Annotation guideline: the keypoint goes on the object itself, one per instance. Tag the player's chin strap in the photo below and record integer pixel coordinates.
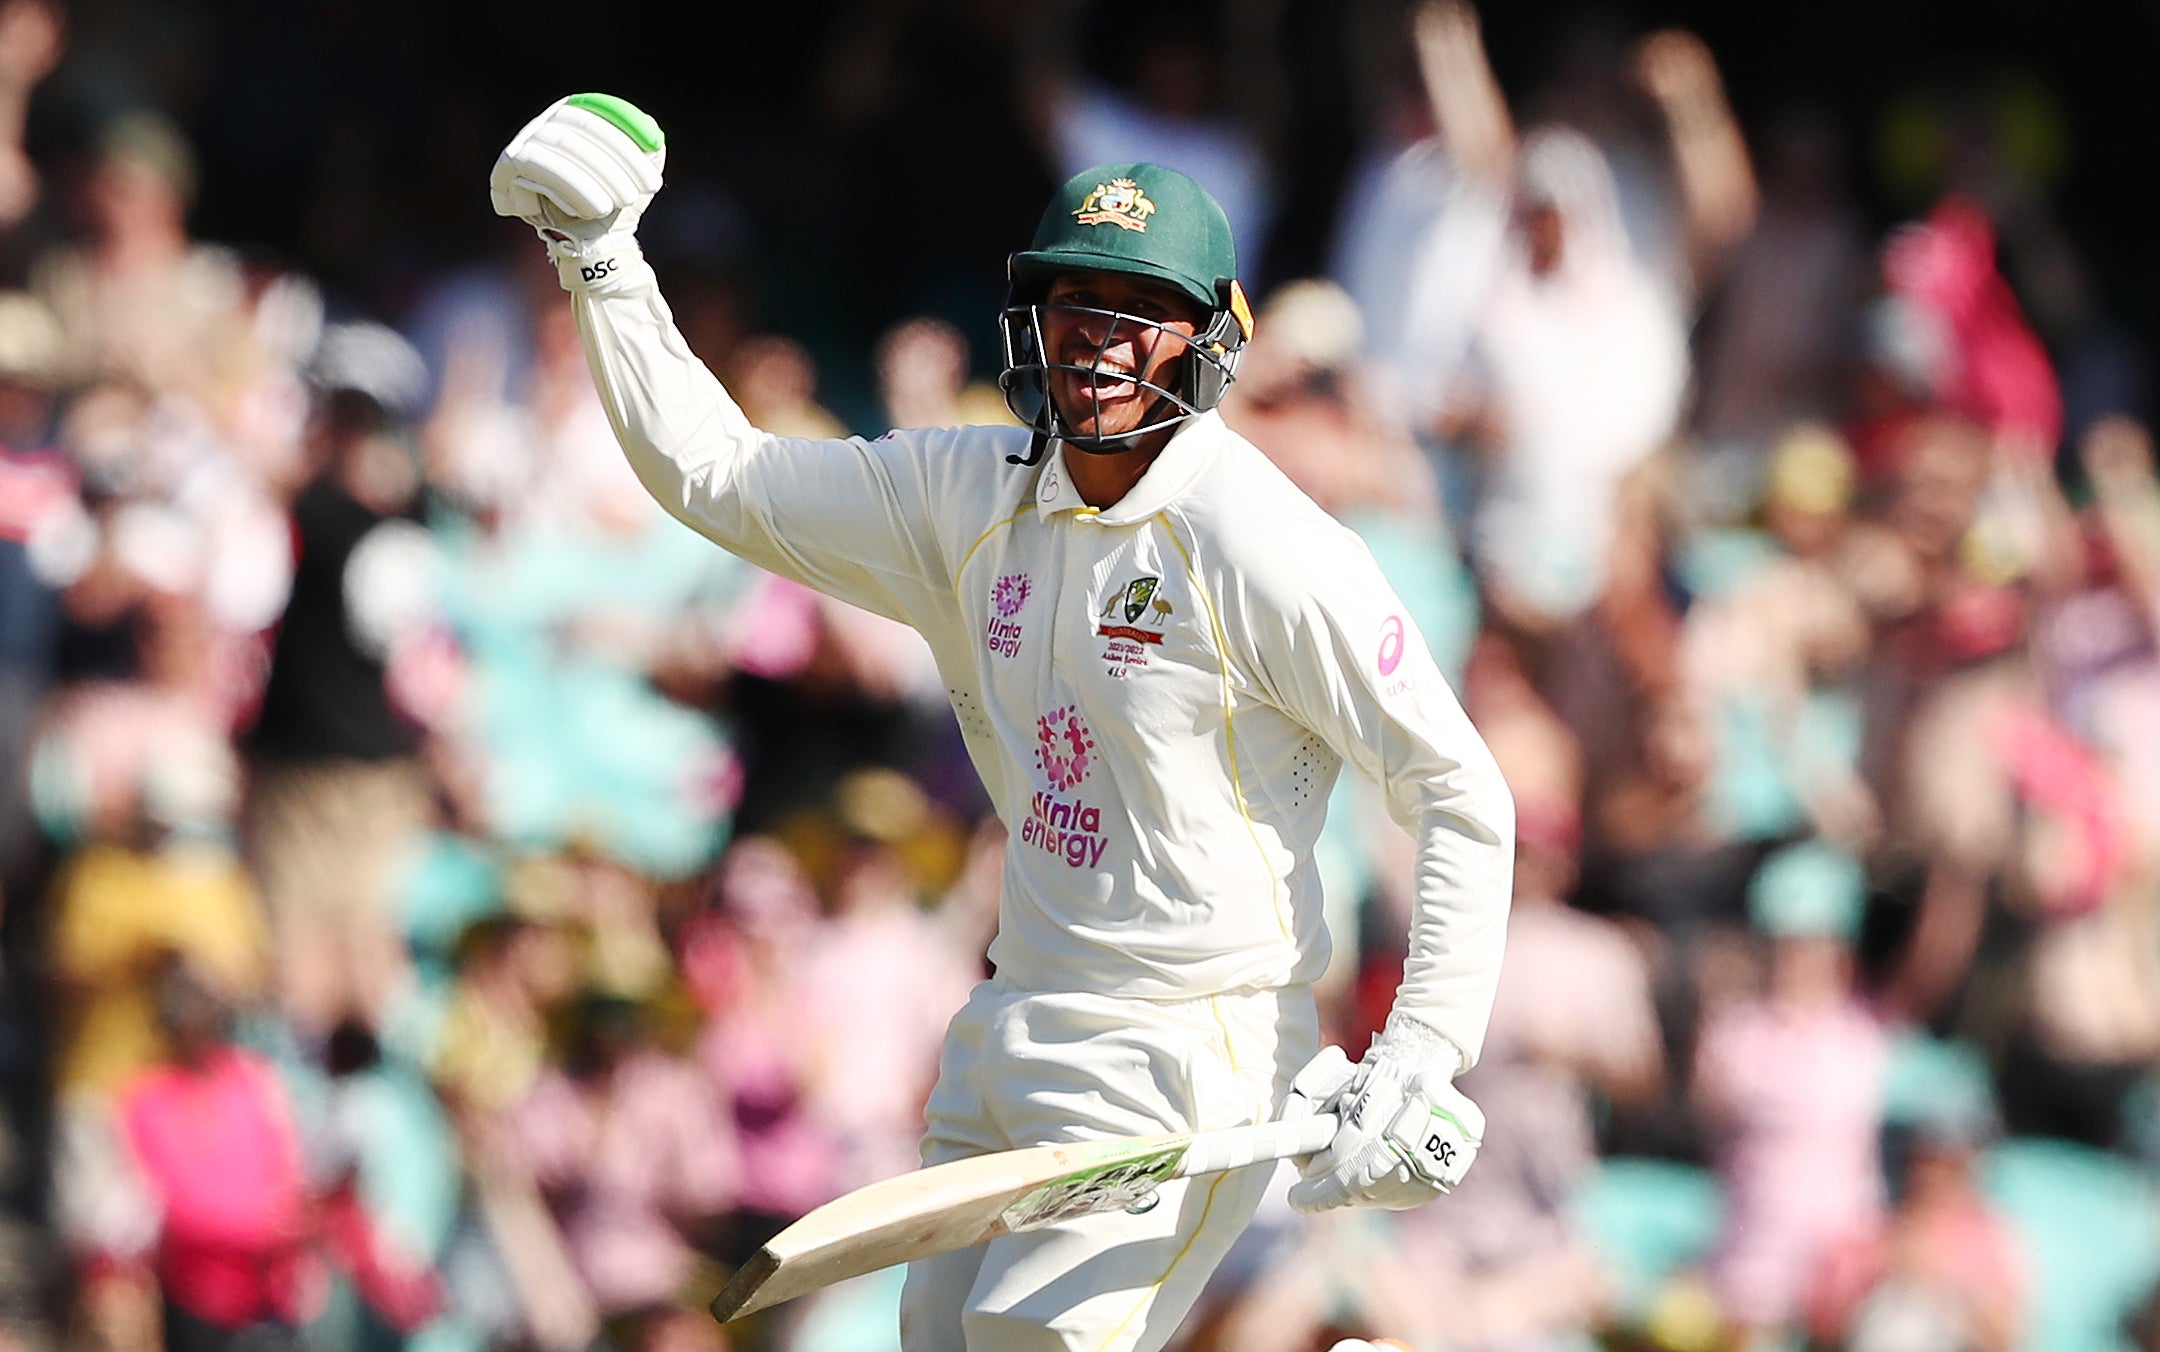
(1209, 368)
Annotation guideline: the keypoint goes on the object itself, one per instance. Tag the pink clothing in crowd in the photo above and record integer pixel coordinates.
(1798, 1095)
(1573, 1012)
(1509, 1270)
(216, 1146)
(38, 489)
(1958, 1250)
(879, 986)
(743, 967)
(791, 1161)
(1997, 371)
(2058, 774)
(128, 746)
(623, 1162)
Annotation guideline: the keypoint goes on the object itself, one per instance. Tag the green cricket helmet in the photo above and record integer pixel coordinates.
(1141, 220)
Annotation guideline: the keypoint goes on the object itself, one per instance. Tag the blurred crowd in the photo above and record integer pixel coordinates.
(448, 906)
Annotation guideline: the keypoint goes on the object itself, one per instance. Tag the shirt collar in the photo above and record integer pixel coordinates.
(1188, 453)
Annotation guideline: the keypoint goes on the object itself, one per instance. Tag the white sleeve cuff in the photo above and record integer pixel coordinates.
(1417, 1043)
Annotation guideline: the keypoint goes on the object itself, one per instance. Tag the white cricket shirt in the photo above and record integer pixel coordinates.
(1157, 695)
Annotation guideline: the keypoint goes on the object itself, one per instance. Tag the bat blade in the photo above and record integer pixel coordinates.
(947, 1207)
(971, 1201)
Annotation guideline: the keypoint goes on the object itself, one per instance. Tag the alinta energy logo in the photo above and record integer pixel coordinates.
(1068, 829)
(1001, 635)
(1064, 748)
(1010, 593)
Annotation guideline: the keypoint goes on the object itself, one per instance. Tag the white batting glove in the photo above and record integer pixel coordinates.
(1319, 1086)
(1408, 1134)
(581, 174)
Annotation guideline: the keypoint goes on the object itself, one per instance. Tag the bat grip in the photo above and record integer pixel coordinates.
(1237, 1147)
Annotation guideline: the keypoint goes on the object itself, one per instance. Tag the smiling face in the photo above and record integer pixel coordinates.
(1105, 398)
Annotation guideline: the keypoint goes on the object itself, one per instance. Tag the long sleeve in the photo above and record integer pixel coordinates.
(1342, 657)
(855, 519)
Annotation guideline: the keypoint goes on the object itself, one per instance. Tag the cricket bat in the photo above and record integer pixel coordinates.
(970, 1201)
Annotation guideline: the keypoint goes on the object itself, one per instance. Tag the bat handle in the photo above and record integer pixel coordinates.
(1237, 1147)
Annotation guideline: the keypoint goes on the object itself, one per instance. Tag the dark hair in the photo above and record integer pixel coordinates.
(351, 1049)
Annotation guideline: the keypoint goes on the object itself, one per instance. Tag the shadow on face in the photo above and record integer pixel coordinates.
(1109, 337)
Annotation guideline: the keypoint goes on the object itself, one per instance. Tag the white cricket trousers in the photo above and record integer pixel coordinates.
(1025, 1069)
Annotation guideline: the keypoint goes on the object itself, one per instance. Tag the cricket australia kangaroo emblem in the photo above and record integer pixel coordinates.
(1133, 619)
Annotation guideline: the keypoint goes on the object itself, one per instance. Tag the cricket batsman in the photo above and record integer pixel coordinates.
(1161, 653)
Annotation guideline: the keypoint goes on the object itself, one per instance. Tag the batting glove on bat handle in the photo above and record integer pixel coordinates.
(1408, 1134)
(581, 174)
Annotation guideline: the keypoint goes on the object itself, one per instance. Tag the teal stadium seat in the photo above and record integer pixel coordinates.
(1649, 1219)
(2092, 1234)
